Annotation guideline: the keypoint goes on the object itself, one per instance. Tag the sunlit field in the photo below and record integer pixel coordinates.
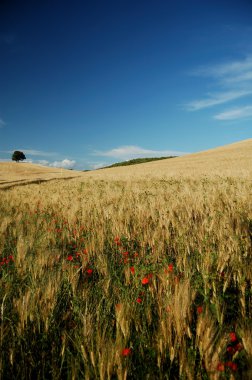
(130, 273)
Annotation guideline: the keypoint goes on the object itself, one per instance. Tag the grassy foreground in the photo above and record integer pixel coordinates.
(141, 279)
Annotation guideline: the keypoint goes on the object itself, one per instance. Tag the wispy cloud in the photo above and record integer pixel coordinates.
(215, 99)
(234, 68)
(233, 80)
(33, 152)
(131, 151)
(235, 113)
(2, 123)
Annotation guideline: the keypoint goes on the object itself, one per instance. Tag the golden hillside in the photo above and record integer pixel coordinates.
(233, 160)
(13, 173)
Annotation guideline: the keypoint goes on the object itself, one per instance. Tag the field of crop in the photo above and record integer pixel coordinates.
(109, 277)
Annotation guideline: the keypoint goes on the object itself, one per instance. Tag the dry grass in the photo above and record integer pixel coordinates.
(13, 173)
(233, 160)
(73, 304)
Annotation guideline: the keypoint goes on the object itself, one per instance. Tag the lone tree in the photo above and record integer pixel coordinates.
(18, 156)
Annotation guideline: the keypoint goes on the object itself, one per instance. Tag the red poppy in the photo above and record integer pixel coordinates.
(145, 281)
(170, 267)
(70, 258)
(126, 352)
(132, 269)
(139, 300)
(89, 271)
(231, 350)
(233, 337)
(199, 309)
(85, 251)
(233, 367)
(220, 367)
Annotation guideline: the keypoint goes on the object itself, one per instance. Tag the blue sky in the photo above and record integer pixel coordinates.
(85, 84)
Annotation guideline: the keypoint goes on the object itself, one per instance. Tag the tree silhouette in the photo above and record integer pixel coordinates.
(18, 156)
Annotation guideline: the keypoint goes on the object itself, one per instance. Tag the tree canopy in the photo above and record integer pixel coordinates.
(18, 156)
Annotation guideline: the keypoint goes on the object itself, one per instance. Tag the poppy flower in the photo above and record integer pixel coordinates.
(126, 352)
(139, 300)
(145, 281)
(89, 271)
(220, 367)
(170, 267)
(70, 258)
(233, 337)
(231, 350)
(233, 367)
(132, 269)
(199, 309)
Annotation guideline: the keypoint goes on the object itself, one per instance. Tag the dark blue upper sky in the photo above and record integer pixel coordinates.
(89, 83)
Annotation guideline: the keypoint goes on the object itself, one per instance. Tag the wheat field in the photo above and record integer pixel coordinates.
(139, 272)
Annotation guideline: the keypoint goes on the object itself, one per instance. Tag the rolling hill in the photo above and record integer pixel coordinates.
(233, 160)
(12, 173)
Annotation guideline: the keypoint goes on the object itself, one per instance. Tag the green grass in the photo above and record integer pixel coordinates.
(136, 161)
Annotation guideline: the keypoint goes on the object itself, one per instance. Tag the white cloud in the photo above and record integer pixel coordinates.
(235, 113)
(66, 164)
(215, 99)
(130, 151)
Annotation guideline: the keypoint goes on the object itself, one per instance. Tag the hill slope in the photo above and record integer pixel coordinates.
(12, 173)
(234, 160)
